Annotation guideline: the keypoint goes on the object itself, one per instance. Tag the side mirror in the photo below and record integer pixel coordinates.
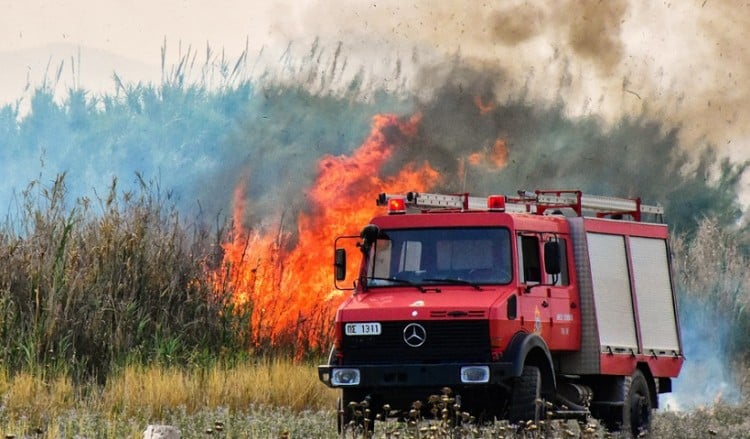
(339, 263)
(552, 257)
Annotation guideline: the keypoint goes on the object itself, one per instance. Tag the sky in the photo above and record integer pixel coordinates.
(684, 62)
(132, 28)
(125, 36)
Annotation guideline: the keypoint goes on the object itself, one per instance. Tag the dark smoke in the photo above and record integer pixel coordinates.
(635, 157)
(592, 30)
(681, 63)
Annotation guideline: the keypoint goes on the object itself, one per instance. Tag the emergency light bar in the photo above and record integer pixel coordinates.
(396, 205)
(496, 203)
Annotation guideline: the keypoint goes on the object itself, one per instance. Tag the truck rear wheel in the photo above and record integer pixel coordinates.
(524, 396)
(629, 411)
(636, 412)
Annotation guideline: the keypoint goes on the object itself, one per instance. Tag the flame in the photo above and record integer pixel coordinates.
(285, 279)
(483, 107)
(499, 153)
(475, 158)
(495, 156)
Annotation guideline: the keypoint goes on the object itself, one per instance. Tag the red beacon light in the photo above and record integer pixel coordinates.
(496, 203)
(396, 205)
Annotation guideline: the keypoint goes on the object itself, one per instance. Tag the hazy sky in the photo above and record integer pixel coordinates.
(118, 35)
(133, 28)
(685, 62)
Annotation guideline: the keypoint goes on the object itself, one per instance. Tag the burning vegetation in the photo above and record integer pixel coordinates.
(285, 277)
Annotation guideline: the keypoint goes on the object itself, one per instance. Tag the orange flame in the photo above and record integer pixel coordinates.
(291, 290)
(499, 153)
(483, 107)
(475, 158)
(496, 156)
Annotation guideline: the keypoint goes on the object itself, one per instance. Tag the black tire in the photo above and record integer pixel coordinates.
(637, 407)
(525, 395)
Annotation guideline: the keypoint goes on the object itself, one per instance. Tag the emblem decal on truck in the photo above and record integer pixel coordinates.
(415, 335)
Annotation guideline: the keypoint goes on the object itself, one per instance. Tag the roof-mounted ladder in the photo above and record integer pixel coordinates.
(538, 202)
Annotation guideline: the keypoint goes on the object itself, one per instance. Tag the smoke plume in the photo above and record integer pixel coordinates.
(683, 63)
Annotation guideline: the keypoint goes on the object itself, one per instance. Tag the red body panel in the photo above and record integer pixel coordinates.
(627, 228)
(625, 364)
(408, 303)
(549, 224)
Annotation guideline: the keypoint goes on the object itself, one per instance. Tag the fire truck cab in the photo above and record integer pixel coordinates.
(549, 301)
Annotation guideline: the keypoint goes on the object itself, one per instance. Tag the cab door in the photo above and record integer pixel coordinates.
(533, 300)
(561, 294)
(547, 304)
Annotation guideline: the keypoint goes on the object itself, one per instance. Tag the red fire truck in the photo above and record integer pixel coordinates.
(548, 301)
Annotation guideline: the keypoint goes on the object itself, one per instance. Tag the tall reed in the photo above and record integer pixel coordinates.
(87, 284)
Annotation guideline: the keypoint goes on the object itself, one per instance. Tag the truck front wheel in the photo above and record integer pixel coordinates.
(525, 396)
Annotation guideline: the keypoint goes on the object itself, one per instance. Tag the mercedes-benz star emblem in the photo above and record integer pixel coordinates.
(415, 335)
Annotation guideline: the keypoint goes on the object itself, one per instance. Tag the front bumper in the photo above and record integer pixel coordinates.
(416, 375)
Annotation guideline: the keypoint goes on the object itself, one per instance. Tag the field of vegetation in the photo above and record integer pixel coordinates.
(271, 399)
(118, 305)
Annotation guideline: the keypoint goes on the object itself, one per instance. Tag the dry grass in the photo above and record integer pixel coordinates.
(28, 396)
(264, 399)
(276, 382)
(141, 395)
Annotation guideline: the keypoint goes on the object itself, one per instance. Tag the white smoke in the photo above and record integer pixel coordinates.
(706, 376)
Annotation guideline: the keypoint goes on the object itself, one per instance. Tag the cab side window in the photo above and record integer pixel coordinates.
(529, 264)
(563, 278)
(530, 261)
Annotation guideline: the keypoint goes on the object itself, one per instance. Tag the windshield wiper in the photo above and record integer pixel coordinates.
(455, 281)
(398, 280)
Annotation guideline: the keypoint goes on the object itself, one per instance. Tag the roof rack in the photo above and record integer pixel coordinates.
(537, 202)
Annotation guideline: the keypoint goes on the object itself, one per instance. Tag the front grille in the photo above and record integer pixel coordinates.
(447, 341)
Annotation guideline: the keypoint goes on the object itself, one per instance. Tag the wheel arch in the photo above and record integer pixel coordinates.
(531, 350)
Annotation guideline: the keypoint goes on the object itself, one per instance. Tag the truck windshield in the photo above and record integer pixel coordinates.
(474, 256)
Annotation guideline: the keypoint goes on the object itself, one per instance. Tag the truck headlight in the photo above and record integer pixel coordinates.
(345, 377)
(475, 374)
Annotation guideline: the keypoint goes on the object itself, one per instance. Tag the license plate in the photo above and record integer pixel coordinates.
(372, 328)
